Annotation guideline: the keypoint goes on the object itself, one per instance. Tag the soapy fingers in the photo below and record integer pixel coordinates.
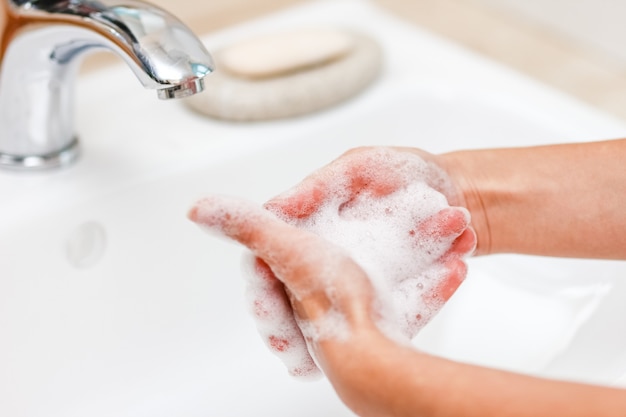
(275, 321)
(366, 172)
(450, 223)
(368, 240)
(319, 280)
(388, 208)
(297, 257)
(266, 294)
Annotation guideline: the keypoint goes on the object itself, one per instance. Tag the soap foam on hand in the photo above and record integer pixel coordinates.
(382, 236)
(381, 209)
(275, 321)
(265, 234)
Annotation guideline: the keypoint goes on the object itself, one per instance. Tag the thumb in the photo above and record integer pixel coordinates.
(298, 257)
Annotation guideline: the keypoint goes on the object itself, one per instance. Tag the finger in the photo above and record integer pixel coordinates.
(275, 321)
(456, 271)
(297, 257)
(268, 297)
(463, 245)
(300, 202)
(245, 223)
(359, 171)
(449, 222)
(367, 174)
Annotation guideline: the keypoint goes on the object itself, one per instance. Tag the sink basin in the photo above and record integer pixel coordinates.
(113, 304)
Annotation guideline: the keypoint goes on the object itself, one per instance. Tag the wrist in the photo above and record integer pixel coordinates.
(472, 191)
(549, 200)
(362, 369)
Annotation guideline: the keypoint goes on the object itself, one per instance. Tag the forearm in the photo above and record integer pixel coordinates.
(558, 200)
(380, 378)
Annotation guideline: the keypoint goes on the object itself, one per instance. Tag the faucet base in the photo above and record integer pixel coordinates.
(57, 159)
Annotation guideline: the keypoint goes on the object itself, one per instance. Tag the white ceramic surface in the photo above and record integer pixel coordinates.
(113, 304)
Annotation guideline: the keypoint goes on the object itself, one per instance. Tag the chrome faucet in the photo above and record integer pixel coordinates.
(41, 45)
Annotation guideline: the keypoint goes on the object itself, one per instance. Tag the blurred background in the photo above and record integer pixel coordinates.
(577, 46)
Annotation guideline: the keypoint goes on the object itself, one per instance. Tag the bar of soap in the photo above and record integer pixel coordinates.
(308, 82)
(276, 54)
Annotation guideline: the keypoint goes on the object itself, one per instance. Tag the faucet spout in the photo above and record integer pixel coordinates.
(42, 44)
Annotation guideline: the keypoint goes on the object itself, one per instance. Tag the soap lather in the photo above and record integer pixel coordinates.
(288, 73)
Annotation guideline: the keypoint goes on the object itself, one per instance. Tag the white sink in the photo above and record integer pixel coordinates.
(113, 304)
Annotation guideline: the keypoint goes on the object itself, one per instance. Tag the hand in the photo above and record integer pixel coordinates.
(318, 285)
(391, 189)
(292, 304)
(355, 180)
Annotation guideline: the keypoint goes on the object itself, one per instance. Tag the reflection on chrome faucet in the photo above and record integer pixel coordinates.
(41, 44)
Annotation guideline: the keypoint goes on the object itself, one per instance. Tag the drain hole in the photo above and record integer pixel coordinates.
(86, 245)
